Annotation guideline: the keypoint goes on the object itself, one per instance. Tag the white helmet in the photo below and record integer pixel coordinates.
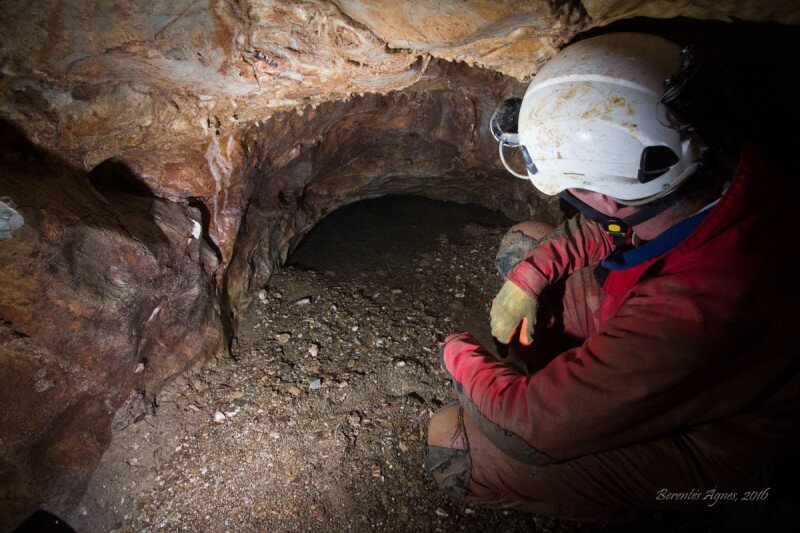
(593, 118)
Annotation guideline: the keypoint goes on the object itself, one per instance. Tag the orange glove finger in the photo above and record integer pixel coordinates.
(498, 334)
(523, 333)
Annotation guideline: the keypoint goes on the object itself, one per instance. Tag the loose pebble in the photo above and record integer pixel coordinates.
(231, 414)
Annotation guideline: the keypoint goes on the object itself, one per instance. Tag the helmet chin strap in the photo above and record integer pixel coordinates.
(619, 229)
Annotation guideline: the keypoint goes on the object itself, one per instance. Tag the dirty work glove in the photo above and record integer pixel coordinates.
(513, 247)
(513, 309)
(575, 244)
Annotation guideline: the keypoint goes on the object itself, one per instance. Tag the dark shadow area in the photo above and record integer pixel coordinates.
(373, 238)
(750, 79)
(131, 200)
(14, 142)
(397, 242)
(43, 522)
(112, 175)
(40, 180)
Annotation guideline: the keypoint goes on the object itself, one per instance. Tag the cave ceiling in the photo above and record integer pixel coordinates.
(169, 88)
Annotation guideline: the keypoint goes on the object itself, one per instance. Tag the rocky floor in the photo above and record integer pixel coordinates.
(318, 419)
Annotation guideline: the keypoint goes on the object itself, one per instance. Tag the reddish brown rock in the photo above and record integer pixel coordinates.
(99, 279)
(106, 279)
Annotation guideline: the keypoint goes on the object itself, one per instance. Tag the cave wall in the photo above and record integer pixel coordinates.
(161, 159)
(169, 88)
(431, 139)
(98, 286)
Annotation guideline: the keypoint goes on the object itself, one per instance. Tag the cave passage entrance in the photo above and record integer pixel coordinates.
(435, 256)
(320, 417)
(392, 239)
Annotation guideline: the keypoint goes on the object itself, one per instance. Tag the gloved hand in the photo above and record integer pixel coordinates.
(513, 309)
(577, 243)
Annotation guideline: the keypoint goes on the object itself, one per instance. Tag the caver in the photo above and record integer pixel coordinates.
(653, 330)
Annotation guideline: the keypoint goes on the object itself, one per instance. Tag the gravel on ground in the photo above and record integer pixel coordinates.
(318, 417)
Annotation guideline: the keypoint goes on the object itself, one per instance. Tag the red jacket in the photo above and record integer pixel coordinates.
(702, 334)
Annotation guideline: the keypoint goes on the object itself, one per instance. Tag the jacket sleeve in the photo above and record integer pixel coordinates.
(633, 380)
(576, 243)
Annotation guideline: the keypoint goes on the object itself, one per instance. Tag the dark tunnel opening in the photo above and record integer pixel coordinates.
(374, 238)
(396, 244)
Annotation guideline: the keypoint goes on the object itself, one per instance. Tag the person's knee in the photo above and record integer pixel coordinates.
(447, 457)
(532, 228)
(443, 429)
(518, 241)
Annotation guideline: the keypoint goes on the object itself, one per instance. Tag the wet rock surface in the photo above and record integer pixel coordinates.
(319, 419)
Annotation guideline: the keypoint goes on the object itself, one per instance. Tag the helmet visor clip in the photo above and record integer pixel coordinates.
(505, 122)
